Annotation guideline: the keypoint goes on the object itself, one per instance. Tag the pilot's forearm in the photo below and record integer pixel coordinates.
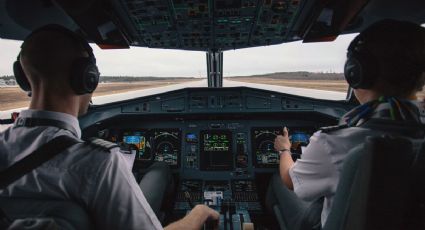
(193, 221)
(182, 224)
(286, 163)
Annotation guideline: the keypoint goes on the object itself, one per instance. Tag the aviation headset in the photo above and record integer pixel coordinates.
(362, 67)
(84, 72)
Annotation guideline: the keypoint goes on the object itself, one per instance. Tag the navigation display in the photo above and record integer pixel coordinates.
(138, 138)
(263, 150)
(167, 146)
(216, 150)
(262, 139)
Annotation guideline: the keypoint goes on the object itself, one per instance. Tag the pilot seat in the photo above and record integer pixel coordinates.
(382, 183)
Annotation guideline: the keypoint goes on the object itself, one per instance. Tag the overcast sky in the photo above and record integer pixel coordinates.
(136, 61)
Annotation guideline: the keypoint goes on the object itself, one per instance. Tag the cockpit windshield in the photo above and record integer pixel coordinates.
(315, 68)
(306, 69)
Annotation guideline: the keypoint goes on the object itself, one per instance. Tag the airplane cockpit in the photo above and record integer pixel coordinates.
(218, 141)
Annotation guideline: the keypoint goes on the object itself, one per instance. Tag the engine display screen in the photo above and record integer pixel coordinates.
(216, 150)
(138, 138)
(218, 142)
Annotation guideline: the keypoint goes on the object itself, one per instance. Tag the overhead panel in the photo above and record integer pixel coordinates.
(152, 20)
(233, 22)
(210, 24)
(194, 25)
(274, 20)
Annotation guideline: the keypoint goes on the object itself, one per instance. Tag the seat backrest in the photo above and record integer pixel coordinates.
(382, 186)
(66, 215)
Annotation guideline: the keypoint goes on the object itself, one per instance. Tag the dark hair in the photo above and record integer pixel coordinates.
(399, 47)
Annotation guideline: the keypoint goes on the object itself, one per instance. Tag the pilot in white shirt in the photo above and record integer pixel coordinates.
(59, 69)
(386, 90)
(92, 176)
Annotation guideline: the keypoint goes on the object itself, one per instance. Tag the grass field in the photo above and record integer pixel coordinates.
(331, 85)
(13, 97)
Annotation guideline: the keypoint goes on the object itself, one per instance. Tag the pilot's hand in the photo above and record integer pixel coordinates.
(200, 214)
(282, 141)
(196, 218)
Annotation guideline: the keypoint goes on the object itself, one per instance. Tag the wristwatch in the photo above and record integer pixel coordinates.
(283, 151)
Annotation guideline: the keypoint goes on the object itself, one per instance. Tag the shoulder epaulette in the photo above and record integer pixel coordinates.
(328, 129)
(102, 143)
(128, 148)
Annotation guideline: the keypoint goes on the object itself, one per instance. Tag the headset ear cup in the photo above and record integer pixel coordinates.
(20, 76)
(370, 70)
(91, 78)
(84, 76)
(353, 72)
(360, 70)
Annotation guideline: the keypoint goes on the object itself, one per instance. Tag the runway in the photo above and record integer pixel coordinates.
(322, 94)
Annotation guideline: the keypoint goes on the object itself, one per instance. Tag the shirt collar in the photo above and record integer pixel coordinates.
(386, 108)
(64, 117)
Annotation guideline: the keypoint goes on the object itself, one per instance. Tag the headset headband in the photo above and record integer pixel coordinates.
(84, 75)
(65, 31)
(358, 46)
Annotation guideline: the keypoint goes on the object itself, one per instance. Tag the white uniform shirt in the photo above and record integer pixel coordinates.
(317, 173)
(97, 180)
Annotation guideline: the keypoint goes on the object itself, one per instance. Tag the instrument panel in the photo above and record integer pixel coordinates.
(231, 147)
(219, 143)
(202, 133)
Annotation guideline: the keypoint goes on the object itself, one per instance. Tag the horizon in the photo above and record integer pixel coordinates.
(128, 76)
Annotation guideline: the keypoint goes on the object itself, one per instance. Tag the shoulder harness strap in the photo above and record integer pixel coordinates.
(35, 159)
(329, 129)
(34, 122)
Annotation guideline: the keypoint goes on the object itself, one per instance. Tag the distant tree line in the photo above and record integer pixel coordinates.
(299, 76)
(7, 77)
(135, 79)
(122, 78)
(280, 75)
